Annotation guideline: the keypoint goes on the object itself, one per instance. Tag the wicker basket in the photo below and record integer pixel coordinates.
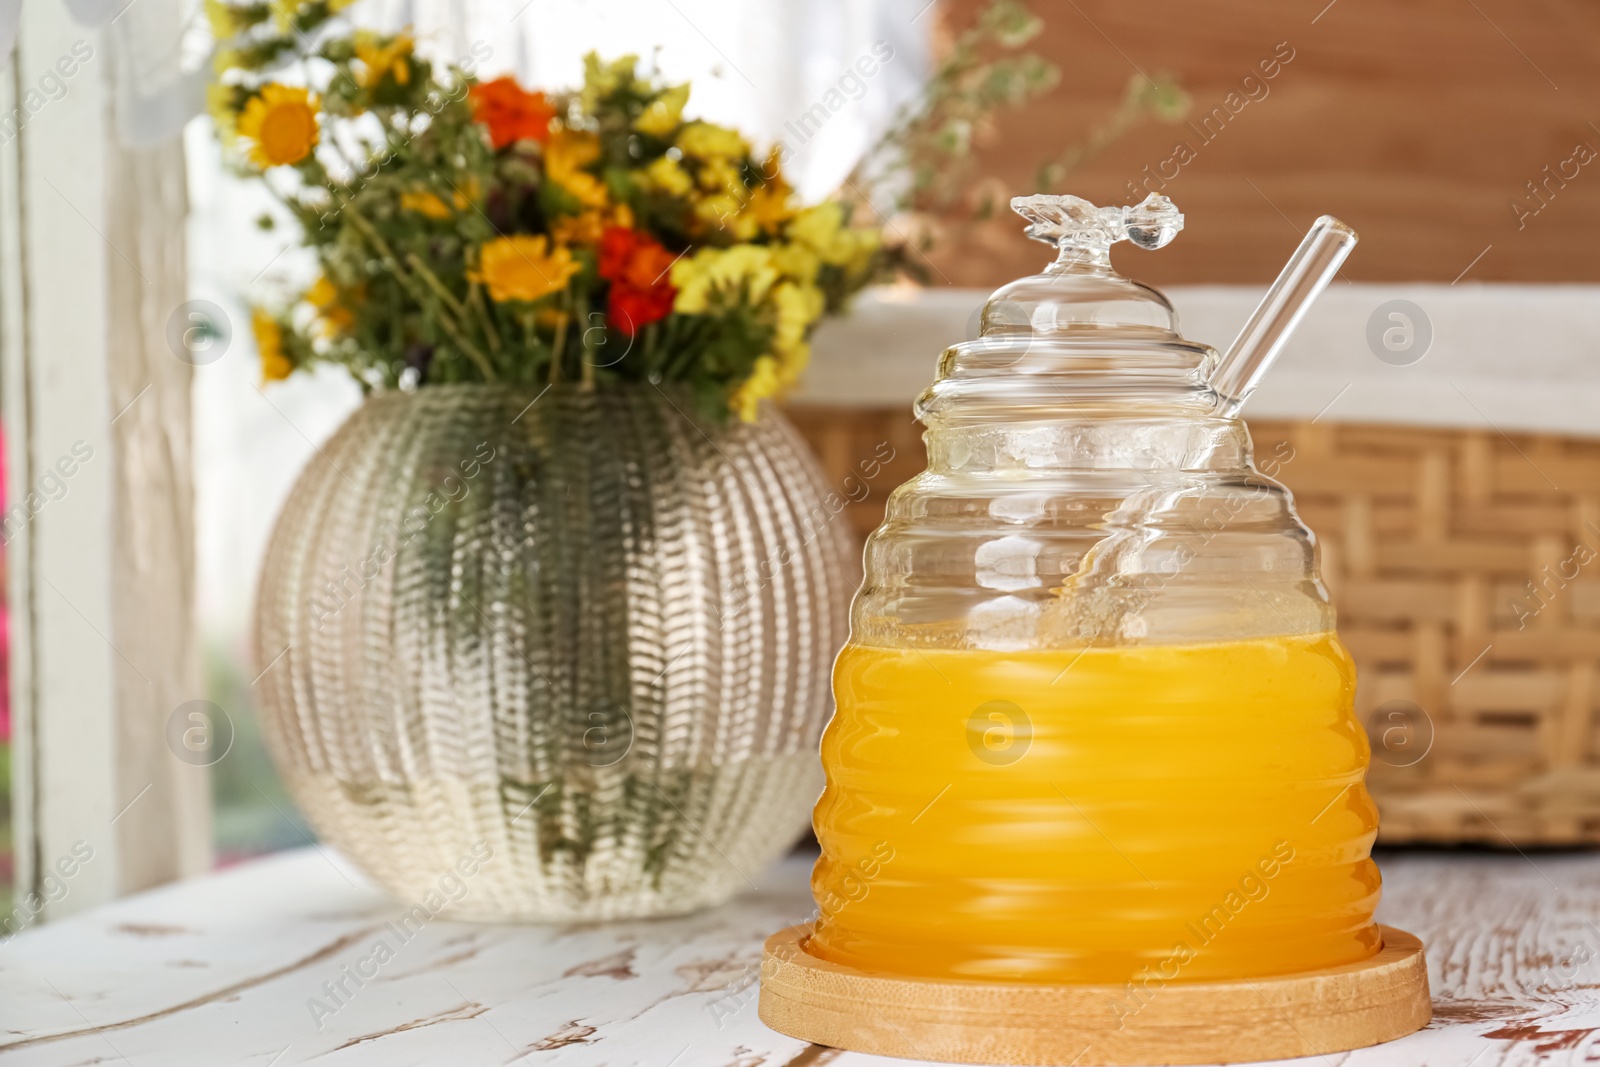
(1466, 570)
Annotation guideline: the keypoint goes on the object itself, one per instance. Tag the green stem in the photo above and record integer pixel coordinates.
(419, 294)
(650, 333)
(475, 298)
(558, 347)
(687, 343)
(586, 362)
(431, 279)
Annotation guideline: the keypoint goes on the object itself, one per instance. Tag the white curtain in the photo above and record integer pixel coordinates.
(760, 65)
(159, 55)
(10, 11)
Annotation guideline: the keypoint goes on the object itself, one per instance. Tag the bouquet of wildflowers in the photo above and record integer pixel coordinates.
(474, 231)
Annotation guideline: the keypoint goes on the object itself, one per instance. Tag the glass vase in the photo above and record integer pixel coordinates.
(553, 655)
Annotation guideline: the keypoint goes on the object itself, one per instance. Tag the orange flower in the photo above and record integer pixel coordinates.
(510, 112)
(629, 308)
(634, 258)
(638, 267)
(524, 268)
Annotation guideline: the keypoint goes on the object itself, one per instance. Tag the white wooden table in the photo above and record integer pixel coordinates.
(229, 969)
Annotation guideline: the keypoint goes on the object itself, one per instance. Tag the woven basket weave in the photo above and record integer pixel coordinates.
(1466, 570)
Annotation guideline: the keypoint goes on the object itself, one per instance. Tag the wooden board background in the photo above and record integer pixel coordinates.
(1418, 122)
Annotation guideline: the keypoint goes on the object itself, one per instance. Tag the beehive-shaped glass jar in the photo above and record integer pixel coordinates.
(1093, 720)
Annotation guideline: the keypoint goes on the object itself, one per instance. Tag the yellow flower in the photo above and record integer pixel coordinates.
(602, 79)
(703, 140)
(725, 213)
(282, 123)
(709, 270)
(818, 228)
(769, 201)
(798, 307)
(524, 268)
(336, 6)
(565, 156)
(796, 261)
(275, 366)
(430, 204)
(322, 292)
(663, 114)
(552, 318)
(768, 207)
(380, 59)
(221, 102)
(722, 176)
(585, 228)
(285, 12)
(792, 363)
(762, 383)
(334, 316)
(667, 175)
(822, 229)
(226, 59)
(224, 19)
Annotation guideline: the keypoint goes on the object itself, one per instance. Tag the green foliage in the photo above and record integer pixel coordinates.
(925, 161)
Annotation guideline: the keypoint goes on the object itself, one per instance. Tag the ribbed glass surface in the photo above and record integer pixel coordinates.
(581, 630)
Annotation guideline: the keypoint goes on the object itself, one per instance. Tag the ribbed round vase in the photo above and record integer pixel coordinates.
(557, 655)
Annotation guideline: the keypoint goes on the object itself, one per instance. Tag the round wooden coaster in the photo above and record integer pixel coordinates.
(1332, 1010)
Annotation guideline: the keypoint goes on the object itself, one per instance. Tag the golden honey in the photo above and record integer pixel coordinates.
(1107, 815)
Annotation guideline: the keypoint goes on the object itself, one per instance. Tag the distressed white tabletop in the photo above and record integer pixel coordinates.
(276, 962)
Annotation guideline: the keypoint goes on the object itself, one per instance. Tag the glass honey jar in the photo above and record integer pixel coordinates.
(1095, 728)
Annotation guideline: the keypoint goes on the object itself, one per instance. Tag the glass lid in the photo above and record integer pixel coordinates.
(1081, 292)
(1077, 333)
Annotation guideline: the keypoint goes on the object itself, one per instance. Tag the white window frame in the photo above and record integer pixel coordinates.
(100, 582)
